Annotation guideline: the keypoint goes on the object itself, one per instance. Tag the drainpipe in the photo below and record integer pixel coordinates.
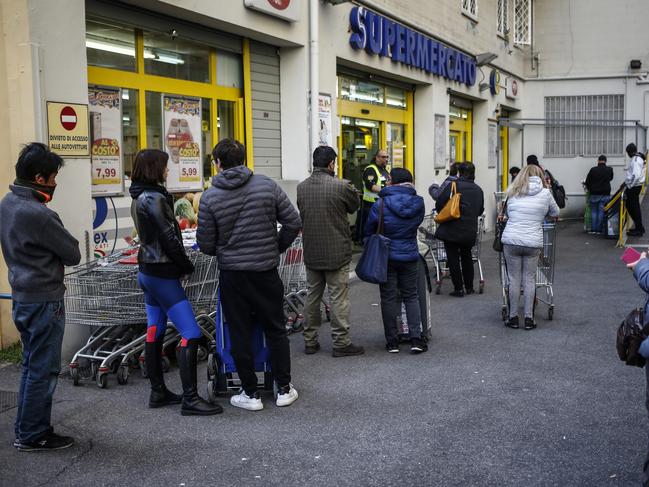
(314, 77)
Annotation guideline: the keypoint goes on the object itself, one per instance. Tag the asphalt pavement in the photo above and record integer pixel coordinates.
(485, 406)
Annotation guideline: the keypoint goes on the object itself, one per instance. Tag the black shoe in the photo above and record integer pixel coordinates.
(192, 403)
(51, 441)
(311, 349)
(392, 347)
(418, 346)
(457, 293)
(529, 324)
(160, 395)
(163, 397)
(469, 291)
(512, 322)
(348, 351)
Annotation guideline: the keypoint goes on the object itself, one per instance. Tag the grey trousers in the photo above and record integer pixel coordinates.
(521, 265)
(338, 283)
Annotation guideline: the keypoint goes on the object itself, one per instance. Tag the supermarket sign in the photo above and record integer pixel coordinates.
(67, 129)
(383, 37)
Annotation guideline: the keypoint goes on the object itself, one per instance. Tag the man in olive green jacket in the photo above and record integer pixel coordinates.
(324, 202)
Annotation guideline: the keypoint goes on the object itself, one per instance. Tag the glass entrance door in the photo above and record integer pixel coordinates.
(460, 134)
(360, 141)
(396, 146)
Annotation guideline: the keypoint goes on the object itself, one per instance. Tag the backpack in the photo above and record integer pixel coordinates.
(558, 192)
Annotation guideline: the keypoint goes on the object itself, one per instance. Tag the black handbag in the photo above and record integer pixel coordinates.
(630, 334)
(501, 223)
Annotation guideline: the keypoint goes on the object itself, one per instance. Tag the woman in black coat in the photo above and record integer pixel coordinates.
(460, 235)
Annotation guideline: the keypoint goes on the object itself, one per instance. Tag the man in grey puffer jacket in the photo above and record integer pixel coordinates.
(237, 222)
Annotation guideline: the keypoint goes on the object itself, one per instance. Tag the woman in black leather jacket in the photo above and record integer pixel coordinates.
(162, 262)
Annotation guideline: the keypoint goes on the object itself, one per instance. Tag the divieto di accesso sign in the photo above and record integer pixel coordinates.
(386, 38)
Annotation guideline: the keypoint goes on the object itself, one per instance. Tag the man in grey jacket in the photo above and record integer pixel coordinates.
(36, 247)
(237, 222)
(324, 202)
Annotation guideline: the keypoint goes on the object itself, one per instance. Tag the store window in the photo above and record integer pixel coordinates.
(362, 91)
(395, 97)
(168, 95)
(229, 69)
(176, 58)
(110, 46)
(470, 8)
(502, 23)
(523, 22)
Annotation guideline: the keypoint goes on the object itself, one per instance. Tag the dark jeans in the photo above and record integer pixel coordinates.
(597, 203)
(361, 220)
(633, 207)
(41, 327)
(402, 277)
(261, 293)
(460, 265)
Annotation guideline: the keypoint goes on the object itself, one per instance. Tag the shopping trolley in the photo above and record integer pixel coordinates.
(437, 252)
(292, 272)
(221, 369)
(544, 292)
(105, 295)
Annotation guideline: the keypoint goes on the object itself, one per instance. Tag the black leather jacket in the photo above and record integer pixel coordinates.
(162, 253)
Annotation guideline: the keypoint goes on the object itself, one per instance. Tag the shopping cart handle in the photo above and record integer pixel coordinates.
(5, 296)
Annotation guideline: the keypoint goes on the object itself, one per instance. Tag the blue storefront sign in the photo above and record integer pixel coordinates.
(381, 36)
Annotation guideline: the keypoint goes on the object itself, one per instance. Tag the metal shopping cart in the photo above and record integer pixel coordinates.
(437, 252)
(544, 292)
(104, 294)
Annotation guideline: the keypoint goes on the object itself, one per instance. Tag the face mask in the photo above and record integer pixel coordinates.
(46, 191)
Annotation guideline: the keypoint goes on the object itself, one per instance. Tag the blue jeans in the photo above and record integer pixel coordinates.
(41, 327)
(597, 204)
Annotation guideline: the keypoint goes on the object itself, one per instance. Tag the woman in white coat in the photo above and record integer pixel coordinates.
(529, 202)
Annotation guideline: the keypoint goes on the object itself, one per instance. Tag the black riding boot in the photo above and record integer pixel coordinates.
(193, 404)
(160, 395)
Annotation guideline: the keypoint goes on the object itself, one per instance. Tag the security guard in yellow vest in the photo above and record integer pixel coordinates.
(375, 178)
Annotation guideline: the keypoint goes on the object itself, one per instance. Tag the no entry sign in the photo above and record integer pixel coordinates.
(67, 129)
(68, 118)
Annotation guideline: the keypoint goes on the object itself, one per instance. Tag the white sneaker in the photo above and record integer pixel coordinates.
(244, 401)
(287, 398)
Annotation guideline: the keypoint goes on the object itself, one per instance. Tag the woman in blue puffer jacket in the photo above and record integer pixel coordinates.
(403, 212)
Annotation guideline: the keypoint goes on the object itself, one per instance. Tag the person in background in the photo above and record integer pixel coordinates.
(459, 236)
(640, 270)
(436, 189)
(403, 212)
(529, 202)
(36, 247)
(598, 184)
(162, 261)
(634, 179)
(324, 202)
(237, 222)
(375, 178)
(513, 172)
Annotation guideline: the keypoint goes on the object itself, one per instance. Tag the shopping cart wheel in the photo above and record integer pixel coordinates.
(122, 375)
(166, 364)
(503, 313)
(438, 288)
(102, 380)
(211, 391)
(551, 313)
(211, 365)
(93, 370)
(481, 287)
(74, 373)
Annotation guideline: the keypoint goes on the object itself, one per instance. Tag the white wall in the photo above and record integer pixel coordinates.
(589, 37)
(64, 79)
